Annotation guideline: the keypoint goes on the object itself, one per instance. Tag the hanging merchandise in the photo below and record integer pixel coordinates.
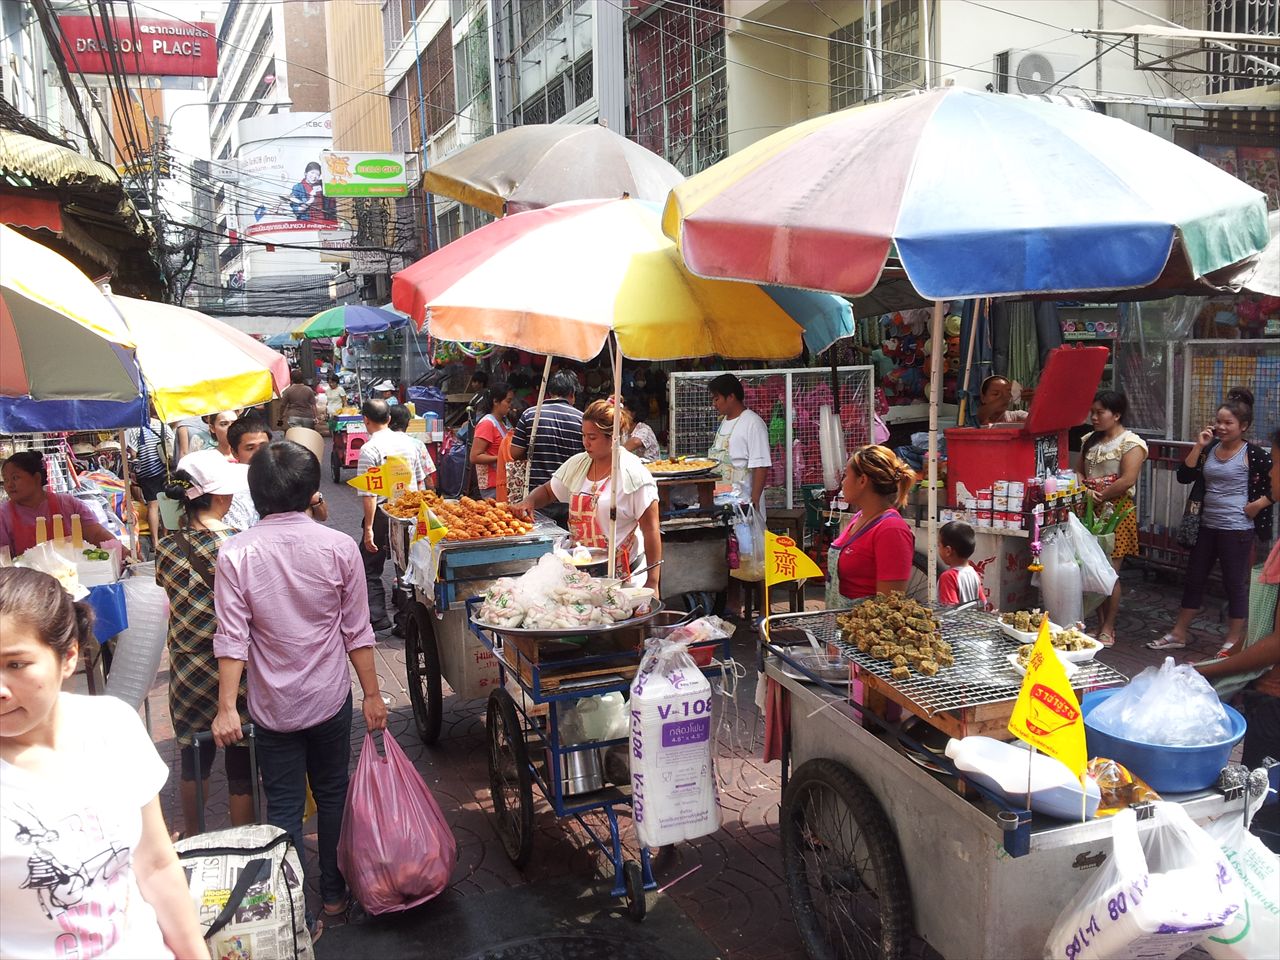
(673, 779)
(477, 350)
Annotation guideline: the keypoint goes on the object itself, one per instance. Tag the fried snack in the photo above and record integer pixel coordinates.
(891, 627)
(679, 465)
(1024, 621)
(466, 519)
(1071, 639)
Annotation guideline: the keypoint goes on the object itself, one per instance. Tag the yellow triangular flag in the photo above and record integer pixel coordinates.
(784, 560)
(429, 526)
(1047, 714)
(390, 479)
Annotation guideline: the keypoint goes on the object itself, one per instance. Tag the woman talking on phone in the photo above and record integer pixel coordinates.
(1231, 496)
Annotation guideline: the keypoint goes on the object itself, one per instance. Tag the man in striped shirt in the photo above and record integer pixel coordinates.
(559, 436)
(147, 455)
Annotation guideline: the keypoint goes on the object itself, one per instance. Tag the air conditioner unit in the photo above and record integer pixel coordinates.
(1035, 71)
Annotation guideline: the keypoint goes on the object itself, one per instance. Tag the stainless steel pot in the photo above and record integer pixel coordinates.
(581, 772)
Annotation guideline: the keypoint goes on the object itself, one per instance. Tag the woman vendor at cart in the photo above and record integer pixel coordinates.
(29, 499)
(877, 548)
(585, 483)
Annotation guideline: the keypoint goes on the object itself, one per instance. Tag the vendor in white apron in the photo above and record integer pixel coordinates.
(741, 444)
(586, 483)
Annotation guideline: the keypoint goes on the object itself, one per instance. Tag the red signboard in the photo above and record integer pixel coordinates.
(142, 48)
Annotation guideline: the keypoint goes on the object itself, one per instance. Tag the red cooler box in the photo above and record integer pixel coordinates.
(978, 456)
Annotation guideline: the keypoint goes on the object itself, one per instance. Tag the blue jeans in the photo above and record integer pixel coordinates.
(321, 754)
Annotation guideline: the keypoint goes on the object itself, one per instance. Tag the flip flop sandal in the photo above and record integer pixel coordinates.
(316, 929)
(1167, 642)
(1107, 639)
(1226, 650)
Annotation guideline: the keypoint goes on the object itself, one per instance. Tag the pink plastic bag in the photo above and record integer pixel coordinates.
(396, 850)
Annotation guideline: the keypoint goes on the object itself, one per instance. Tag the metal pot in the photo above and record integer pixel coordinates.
(581, 772)
(598, 566)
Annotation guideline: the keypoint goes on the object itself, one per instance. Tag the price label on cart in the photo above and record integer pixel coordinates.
(389, 479)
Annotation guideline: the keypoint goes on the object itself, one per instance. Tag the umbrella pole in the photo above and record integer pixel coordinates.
(968, 361)
(935, 388)
(613, 470)
(835, 382)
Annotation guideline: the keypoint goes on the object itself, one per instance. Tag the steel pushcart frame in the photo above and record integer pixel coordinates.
(512, 726)
(996, 878)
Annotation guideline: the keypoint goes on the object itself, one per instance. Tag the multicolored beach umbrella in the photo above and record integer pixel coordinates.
(976, 194)
(350, 318)
(559, 280)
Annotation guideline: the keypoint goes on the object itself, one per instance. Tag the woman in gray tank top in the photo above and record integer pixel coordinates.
(1230, 477)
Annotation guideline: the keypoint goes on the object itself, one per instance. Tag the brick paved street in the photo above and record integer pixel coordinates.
(734, 895)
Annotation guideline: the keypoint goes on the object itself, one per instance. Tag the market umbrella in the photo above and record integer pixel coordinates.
(539, 164)
(975, 194)
(349, 318)
(565, 279)
(561, 279)
(66, 358)
(194, 365)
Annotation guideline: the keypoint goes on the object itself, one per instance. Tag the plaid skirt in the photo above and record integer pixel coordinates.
(193, 693)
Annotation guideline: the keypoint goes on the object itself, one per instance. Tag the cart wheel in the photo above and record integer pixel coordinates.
(510, 783)
(842, 866)
(422, 672)
(633, 878)
(918, 583)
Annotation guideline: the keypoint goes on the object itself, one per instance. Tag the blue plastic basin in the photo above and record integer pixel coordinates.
(1165, 769)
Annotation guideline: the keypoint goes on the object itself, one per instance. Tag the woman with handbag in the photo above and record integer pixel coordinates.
(1111, 459)
(1229, 507)
(489, 433)
(185, 559)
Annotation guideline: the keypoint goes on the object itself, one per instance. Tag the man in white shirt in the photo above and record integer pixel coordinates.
(742, 440)
(383, 442)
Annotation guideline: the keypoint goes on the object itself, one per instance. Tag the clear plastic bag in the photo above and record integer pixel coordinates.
(1171, 705)
(1159, 894)
(1096, 573)
(748, 527)
(1255, 931)
(396, 849)
(1061, 582)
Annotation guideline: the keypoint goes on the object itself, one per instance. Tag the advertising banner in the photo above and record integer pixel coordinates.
(281, 188)
(348, 174)
(143, 47)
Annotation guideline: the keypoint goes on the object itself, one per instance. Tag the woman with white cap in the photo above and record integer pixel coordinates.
(204, 483)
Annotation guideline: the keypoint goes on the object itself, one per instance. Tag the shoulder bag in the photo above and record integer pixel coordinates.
(195, 561)
(1189, 527)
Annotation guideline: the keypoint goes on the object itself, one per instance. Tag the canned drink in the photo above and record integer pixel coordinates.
(1016, 489)
(1000, 488)
(1000, 503)
(1014, 504)
(984, 518)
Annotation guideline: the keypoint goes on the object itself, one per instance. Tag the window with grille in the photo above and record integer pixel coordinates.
(677, 87)
(1232, 69)
(392, 25)
(846, 64)
(555, 34)
(901, 65)
(401, 142)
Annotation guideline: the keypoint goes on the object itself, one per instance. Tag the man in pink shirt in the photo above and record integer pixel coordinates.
(291, 603)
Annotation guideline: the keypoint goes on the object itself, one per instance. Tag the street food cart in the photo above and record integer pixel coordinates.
(883, 838)
(542, 672)
(349, 436)
(438, 646)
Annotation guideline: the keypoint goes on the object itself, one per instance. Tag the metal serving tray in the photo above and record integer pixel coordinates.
(980, 675)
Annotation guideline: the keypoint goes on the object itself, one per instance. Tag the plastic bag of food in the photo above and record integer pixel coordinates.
(1157, 896)
(396, 849)
(1096, 573)
(1061, 583)
(748, 528)
(1171, 705)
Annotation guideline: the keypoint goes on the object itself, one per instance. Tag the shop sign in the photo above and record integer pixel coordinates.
(141, 47)
(350, 174)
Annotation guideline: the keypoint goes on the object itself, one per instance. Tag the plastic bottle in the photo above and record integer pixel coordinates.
(42, 530)
(59, 534)
(77, 533)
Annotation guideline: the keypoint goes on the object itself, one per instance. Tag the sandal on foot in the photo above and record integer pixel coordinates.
(1226, 650)
(1167, 642)
(338, 909)
(1107, 639)
(316, 929)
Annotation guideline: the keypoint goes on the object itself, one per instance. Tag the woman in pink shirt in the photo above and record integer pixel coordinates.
(877, 547)
(292, 606)
(489, 434)
(29, 499)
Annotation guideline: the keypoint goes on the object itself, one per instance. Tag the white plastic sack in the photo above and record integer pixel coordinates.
(673, 779)
(1254, 932)
(1154, 898)
(1061, 585)
(1172, 705)
(1096, 573)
